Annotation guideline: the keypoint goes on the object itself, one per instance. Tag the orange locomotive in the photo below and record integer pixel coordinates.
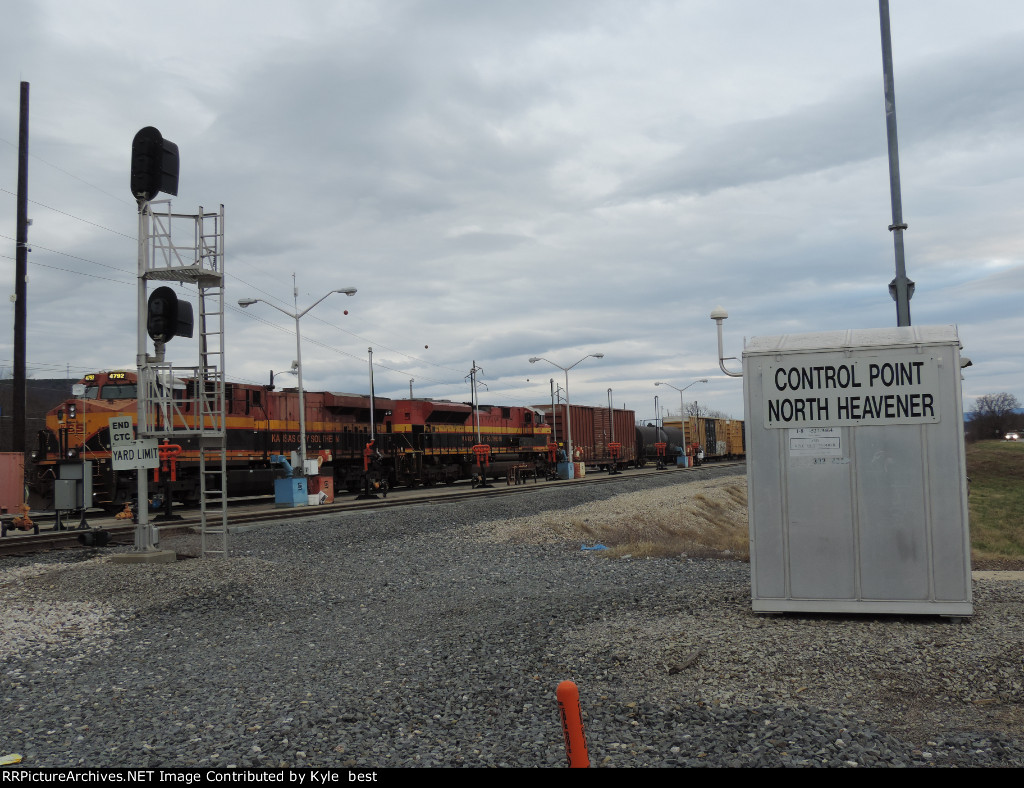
(416, 441)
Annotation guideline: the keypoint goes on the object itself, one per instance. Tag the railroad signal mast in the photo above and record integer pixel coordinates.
(164, 411)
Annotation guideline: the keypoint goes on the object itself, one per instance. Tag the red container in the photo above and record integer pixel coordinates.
(12, 482)
(324, 483)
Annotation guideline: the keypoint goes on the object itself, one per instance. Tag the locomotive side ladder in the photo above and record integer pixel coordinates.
(198, 417)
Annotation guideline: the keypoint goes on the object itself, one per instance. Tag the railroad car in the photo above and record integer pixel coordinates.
(593, 430)
(415, 441)
(648, 438)
(719, 439)
(735, 439)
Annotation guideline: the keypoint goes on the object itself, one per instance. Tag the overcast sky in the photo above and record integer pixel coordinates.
(503, 180)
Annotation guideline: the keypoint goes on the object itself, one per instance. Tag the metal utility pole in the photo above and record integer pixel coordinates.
(373, 428)
(473, 396)
(146, 536)
(611, 417)
(554, 414)
(20, 282)
(900, 288)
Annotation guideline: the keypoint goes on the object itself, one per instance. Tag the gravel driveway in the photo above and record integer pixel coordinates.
(403, 638)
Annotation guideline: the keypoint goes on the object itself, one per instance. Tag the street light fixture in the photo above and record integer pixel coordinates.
(296, 316)
(568, 408)
(684, 388)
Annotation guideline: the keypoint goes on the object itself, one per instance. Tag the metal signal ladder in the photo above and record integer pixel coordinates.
(213, 476)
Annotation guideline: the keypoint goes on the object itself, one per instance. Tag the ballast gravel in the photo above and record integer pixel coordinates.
(413, 637)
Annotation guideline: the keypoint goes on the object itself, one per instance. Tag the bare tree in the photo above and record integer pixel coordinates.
(694, 410)
(993, 415)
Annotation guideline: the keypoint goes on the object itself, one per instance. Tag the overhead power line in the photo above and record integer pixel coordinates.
(71, 175)
(416, 359)
(71, 216)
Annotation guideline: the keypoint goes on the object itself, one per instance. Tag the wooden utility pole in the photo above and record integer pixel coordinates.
(20, 282)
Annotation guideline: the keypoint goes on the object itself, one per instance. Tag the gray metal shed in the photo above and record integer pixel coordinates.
(856, 472)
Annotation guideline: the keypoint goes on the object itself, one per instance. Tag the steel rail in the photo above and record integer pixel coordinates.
(22, 543)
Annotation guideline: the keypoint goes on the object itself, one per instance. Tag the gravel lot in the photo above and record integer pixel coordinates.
(429, 636)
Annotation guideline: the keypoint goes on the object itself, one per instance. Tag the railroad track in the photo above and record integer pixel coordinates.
(122, 532)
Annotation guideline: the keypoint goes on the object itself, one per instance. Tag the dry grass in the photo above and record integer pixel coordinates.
(700, 519)
(709, 518)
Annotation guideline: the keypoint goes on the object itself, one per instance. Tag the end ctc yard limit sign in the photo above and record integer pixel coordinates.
(128, 454)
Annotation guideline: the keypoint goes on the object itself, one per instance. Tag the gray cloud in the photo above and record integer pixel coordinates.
(502, 180)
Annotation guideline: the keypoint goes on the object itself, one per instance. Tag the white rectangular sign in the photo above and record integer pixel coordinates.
(143, 453)
(121, 431)
(816, 442)
(818, 391)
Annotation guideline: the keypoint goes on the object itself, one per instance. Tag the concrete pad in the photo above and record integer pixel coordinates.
(145, 557)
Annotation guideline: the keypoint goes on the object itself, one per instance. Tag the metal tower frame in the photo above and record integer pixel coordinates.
(200, 413)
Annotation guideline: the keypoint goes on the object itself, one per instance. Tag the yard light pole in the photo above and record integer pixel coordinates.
(568, 407)
(296, 316)
(684, 388)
